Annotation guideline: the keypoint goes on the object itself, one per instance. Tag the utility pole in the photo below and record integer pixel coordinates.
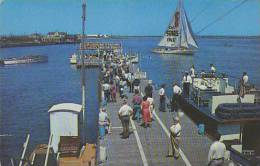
(83, 70)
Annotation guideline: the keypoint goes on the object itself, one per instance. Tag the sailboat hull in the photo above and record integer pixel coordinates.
(174, 51)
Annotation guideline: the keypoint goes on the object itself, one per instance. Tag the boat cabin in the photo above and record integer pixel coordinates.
(210, 90)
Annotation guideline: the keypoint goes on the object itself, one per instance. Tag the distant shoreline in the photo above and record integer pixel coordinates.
(206, 36)
(14, 43)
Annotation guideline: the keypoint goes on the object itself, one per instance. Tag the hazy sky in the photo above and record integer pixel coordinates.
(126, 17)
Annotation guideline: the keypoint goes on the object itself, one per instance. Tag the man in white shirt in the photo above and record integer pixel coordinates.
(212, 68)
(192, 72)
(187, 80)
(217, 153)
(245, 78)
(103, 122)
(124, 114)
(162, 98)
(106, 88)
(175, 131)
(176, 97)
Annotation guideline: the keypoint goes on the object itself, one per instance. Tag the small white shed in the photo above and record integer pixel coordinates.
(64, 121)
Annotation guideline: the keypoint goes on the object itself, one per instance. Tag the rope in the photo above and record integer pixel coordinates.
(207, 6)
(222, 16)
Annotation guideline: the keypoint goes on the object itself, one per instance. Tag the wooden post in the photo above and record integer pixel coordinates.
(24, 150)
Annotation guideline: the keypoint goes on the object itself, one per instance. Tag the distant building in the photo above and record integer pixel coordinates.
(35, 35)
(55, 37)
(72, 38)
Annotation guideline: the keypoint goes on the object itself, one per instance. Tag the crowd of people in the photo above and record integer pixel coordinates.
(119, 81)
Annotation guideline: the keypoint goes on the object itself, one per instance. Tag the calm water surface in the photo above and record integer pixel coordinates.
(27, 91)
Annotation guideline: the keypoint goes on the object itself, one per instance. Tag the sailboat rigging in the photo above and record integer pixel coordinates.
(178, 38)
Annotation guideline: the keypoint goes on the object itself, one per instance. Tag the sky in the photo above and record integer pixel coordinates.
(126, 17)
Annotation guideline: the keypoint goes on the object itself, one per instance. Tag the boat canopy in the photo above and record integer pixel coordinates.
(66, 106)
(179, 32)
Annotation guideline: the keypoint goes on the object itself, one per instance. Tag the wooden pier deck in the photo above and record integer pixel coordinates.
(149, 146)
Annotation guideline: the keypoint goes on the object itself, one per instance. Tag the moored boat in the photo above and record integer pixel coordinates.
(24, 60)
(215, 102)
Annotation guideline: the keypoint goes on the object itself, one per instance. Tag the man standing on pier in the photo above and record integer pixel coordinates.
(217, 152)
(176, 97)
(187, 81)
(149, 89)
(124, 114)
(212, 69)
(162, 98)
(175, 131)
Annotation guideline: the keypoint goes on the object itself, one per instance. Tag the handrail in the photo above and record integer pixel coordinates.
(48, 150)
(24, 150)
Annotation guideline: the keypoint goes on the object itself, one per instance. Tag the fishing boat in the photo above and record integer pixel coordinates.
(213, 101)
(178, 38)
(24, 60)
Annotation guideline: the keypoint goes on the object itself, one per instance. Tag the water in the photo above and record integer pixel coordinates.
(27, 91)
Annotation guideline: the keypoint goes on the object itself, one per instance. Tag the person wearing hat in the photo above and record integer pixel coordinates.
(149, 89)
(124, 114)
(175, 131)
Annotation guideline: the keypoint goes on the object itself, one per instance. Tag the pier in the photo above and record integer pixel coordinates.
(149, 146)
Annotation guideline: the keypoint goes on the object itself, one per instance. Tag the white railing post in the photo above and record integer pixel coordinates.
(24, 149)
(48, 151)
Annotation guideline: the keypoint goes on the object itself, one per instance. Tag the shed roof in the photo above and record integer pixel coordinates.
(66, 106)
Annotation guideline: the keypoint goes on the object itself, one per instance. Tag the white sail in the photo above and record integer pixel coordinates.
(188, 31)
(184, 42)
(178, 33)
(172, 33)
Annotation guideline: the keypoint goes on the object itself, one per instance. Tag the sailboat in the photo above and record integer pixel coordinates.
(178, 38)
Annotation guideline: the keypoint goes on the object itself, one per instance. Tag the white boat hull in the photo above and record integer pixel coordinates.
(73, 59)
(174, 51)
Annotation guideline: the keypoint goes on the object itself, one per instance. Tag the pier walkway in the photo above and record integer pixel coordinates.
(149, 146)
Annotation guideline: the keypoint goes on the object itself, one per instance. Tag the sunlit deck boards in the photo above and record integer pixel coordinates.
(194, 146)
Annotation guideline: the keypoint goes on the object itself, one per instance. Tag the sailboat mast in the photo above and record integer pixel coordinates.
(83, 84)
(180, 23)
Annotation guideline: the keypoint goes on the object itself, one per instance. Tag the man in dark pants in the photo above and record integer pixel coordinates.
(124, 114)
(162, 98)
(176, 97)
(149, 89)
(187, 80)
